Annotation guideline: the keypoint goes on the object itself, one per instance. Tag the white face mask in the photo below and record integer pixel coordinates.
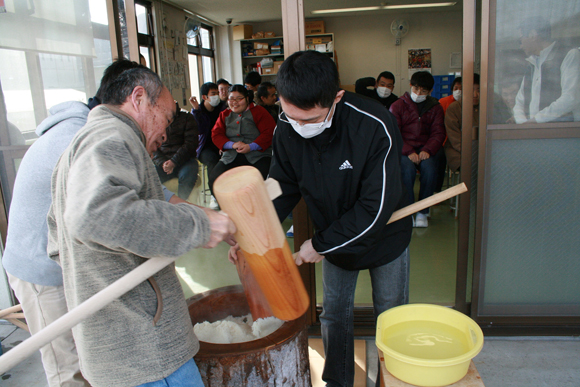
(214, 100)
(383, 92)
(457, 95)
(418, 98)
(312, 130)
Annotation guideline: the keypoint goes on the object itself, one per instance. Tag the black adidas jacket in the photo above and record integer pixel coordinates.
(350, 179)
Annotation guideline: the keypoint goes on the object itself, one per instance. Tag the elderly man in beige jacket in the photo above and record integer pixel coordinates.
(108, 216)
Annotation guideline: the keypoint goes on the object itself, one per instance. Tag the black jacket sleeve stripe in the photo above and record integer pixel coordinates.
(384, 183)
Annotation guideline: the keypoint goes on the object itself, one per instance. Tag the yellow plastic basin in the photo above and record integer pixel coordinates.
(427, 345)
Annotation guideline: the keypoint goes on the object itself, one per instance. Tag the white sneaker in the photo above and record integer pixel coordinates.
(290, 232)
(213, 204)
(421, 220)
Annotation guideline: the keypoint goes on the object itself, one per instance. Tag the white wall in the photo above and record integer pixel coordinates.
(365, 46)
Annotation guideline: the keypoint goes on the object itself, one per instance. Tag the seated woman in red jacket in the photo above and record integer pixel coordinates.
(243, 133)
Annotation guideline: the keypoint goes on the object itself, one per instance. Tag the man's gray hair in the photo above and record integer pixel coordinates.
(117, 92)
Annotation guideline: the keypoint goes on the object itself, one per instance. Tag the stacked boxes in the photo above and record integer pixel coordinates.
(322, 43)
(314, 27)
(442, 86)
(272, 70)
(261, 48)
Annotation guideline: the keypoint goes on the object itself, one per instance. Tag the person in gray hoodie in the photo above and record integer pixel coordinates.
(34, 277)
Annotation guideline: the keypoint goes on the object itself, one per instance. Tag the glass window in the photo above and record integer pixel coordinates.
(145, 35)
(194, 76)
(205, 38)
(201, 59)
(63, 61)
(141, 14)
(192, 41)
(145, 52)
(207, 69)
(531, 207)
(537, 62)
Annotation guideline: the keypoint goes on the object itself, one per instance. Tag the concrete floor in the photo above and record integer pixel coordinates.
(503, 362)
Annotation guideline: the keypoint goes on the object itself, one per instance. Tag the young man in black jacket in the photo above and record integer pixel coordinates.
(341, 153)
(176, 156)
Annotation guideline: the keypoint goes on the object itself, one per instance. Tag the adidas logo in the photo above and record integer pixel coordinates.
(345, 165)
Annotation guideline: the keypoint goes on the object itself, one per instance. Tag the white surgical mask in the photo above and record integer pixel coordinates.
(214, 100)
(418, 98)
(457, 95)
(312, 130)
(383, 92)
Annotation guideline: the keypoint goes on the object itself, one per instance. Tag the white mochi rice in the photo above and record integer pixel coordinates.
(236, 329)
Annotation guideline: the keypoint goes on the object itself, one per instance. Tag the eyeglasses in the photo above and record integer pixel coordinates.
(238, 99)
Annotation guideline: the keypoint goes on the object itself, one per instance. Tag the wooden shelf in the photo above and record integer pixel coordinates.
(253, 40)
(249, 61)
(261, 56)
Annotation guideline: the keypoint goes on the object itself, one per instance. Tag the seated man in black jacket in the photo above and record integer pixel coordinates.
(382, 88)
(266, 97)
(341, 153)
(176, 156)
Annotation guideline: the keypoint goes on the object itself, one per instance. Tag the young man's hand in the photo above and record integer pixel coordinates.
(414, 157)
(307, 254)
(168, 166)
(233, 253)
(193, 102)
(424, 155)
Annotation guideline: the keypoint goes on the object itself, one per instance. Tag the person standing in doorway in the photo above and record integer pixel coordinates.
(341, 152)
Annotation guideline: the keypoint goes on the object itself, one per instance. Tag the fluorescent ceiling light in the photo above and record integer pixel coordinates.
(427, 5)
(337, 10)
(401, 6)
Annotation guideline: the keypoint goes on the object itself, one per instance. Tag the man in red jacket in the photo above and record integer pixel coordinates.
(421, 122)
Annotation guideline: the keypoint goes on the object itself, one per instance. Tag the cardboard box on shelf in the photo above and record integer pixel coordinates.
(318, 40)
(269, 71)
(258, 35)
(314, 27)
(242, 31)
(277, 64)
(269, 34)
(262, 52)
(260, 46)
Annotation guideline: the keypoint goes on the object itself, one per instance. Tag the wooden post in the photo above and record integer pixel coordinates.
(242, 195)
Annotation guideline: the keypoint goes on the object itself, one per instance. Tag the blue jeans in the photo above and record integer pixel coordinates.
(186, 376)
(427, 179)
(186, 176)
(390, 285)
